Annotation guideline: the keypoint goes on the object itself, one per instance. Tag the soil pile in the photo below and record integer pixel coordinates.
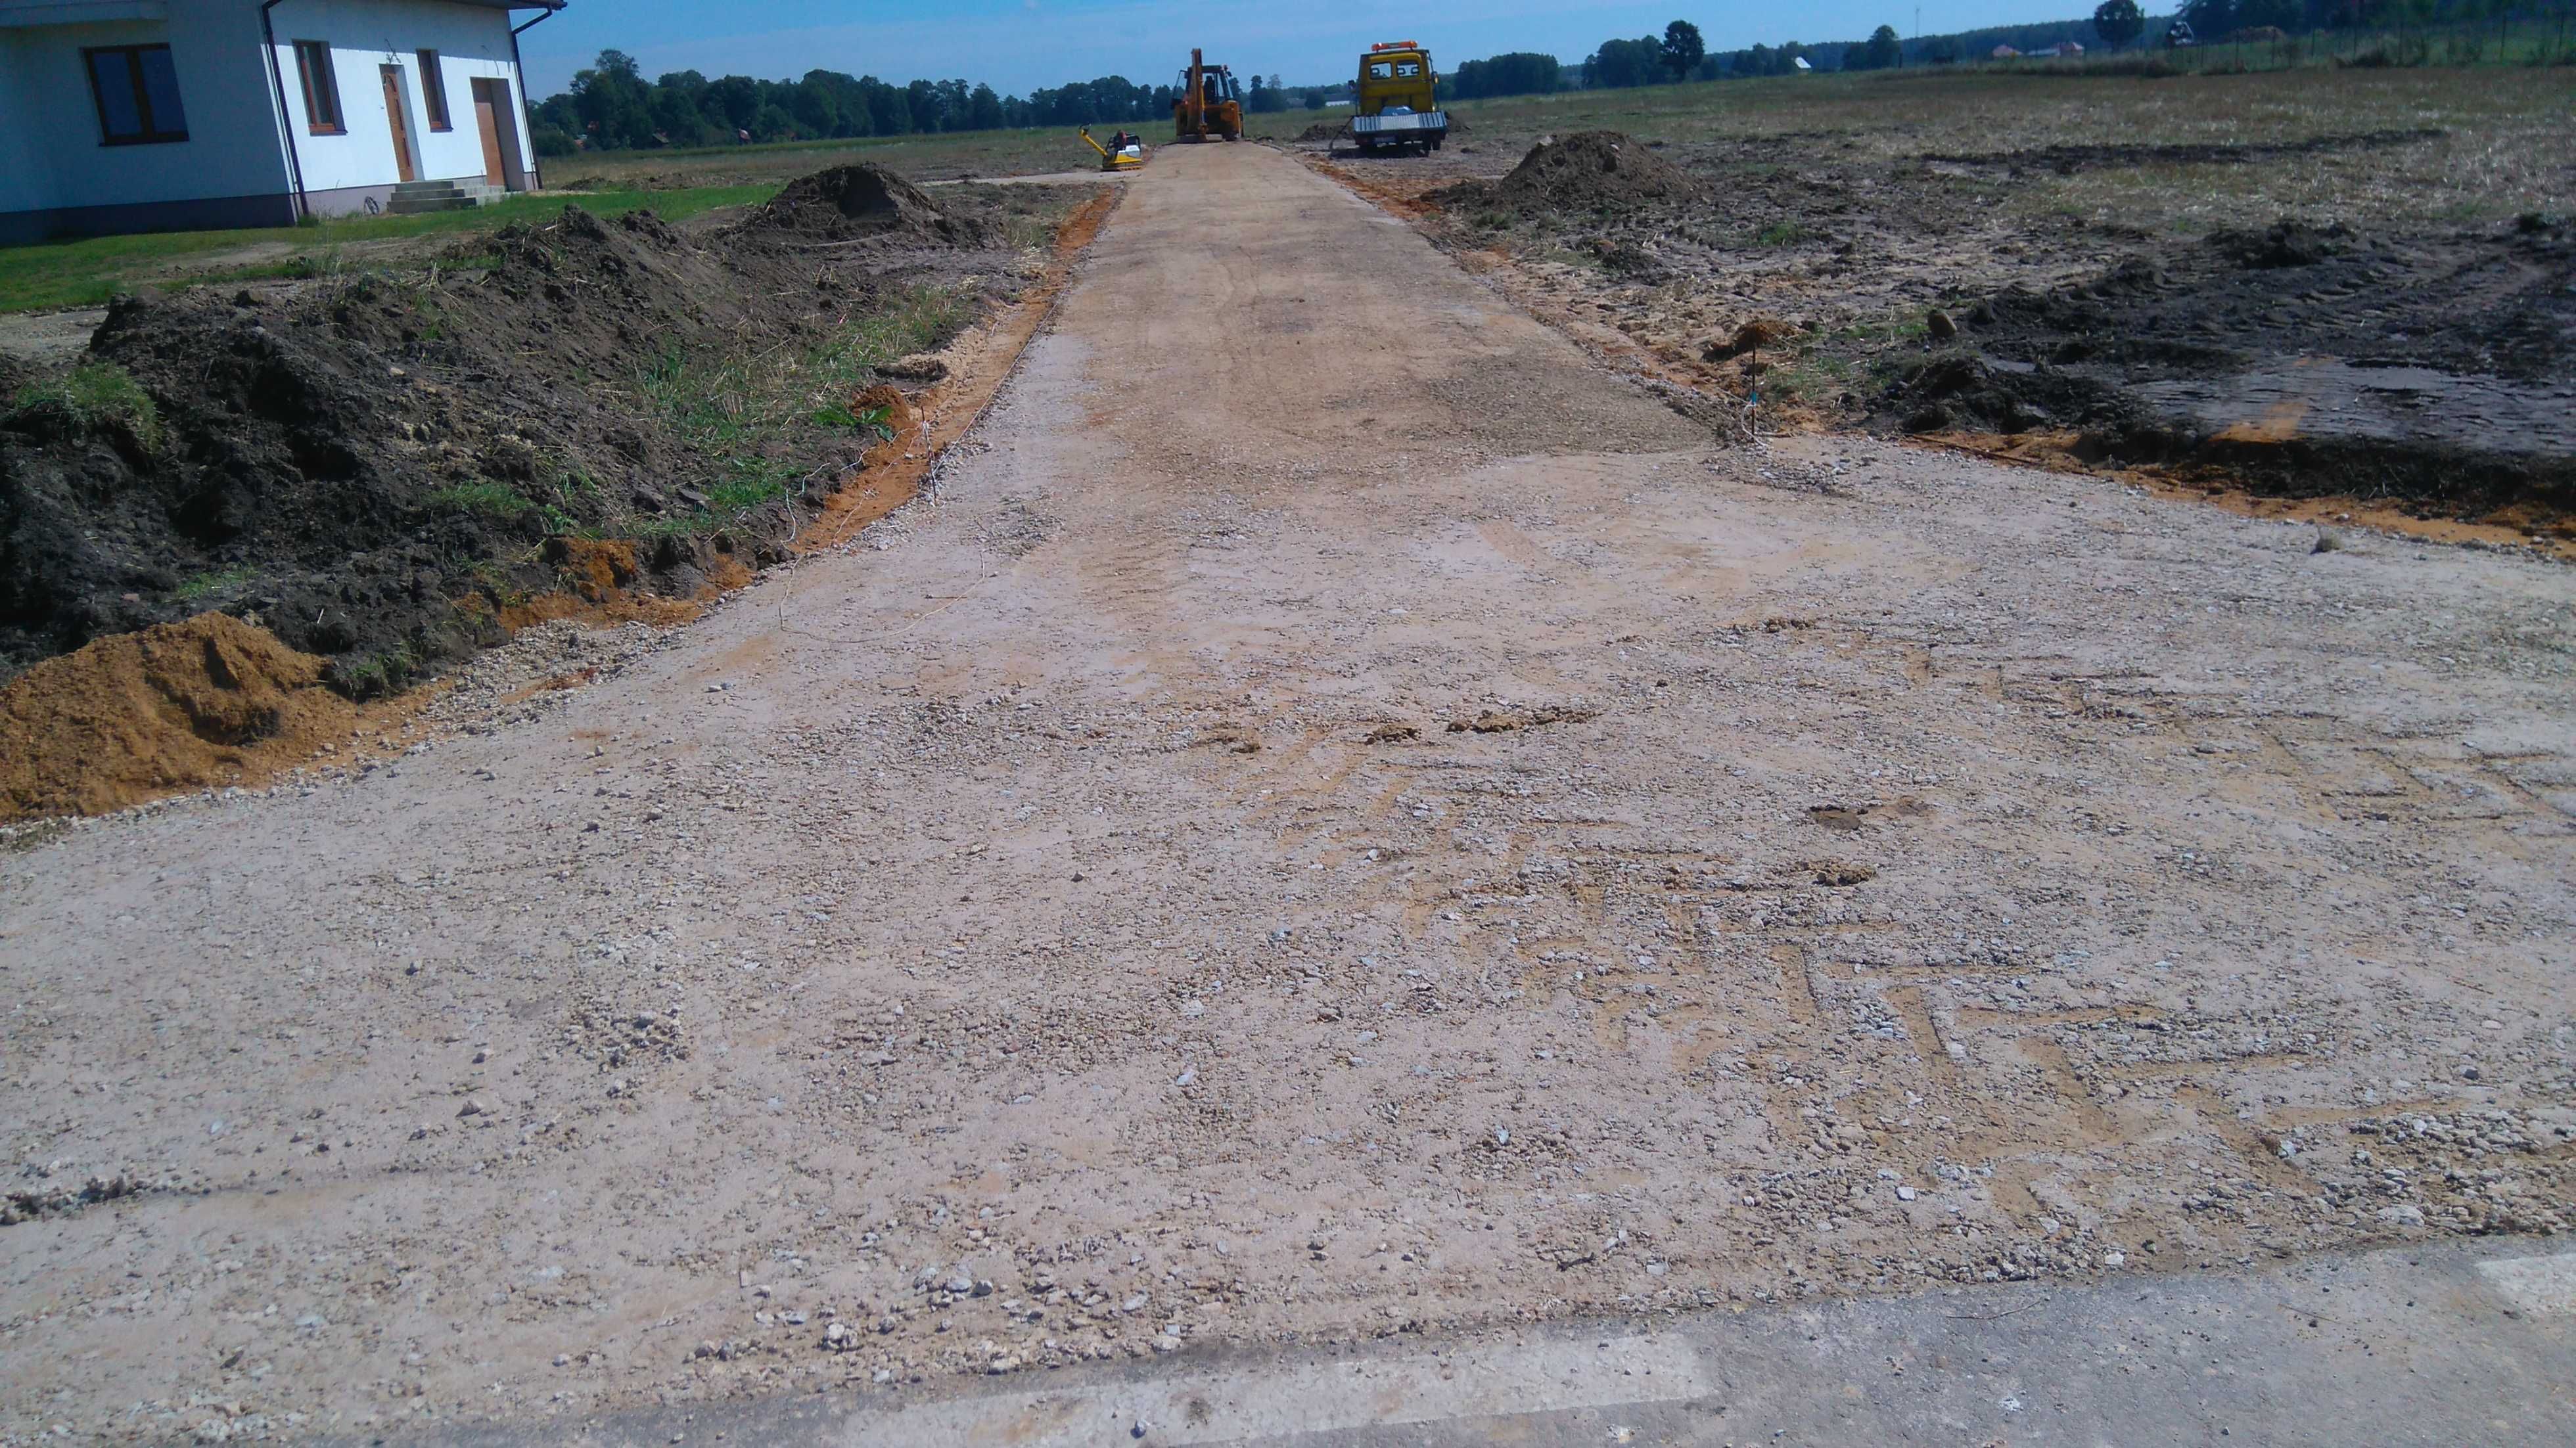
(371, 465)
(1323, 131)
(2284, 243)
(1593, 171)
(865, 202)
(208, 701)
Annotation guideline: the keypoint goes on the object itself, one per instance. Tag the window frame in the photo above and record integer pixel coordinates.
(433, 90)
(151, 134)
(328, 91)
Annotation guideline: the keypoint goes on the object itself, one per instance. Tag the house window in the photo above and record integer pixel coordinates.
(137, 93)
(433, 91)
(321, 87)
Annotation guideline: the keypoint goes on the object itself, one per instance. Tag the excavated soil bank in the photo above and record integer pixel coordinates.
(372, 468)
(2294, 360)
(207, 701)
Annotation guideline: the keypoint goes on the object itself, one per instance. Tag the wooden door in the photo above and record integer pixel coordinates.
(487, 120)
(394, 116)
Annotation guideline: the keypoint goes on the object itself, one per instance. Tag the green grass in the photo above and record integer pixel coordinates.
(736, 410)
(207, 584)
(484, 498)
(924, 158)
(92, 397)
(92, 270)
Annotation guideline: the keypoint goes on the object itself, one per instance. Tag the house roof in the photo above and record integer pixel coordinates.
(78, 12)
(25, 13)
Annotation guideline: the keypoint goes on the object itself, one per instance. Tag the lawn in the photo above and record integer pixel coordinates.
(89, 271)
(956, 156)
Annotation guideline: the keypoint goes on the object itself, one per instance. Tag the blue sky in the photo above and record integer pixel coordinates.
(1019, 45)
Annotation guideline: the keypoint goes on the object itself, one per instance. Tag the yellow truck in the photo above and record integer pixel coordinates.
(1397, 102)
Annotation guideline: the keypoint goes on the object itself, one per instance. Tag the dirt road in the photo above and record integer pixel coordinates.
(1072, 922)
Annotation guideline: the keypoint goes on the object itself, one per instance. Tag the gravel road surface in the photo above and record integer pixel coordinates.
(1335, 818)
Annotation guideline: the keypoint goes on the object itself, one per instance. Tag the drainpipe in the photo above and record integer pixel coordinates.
(527, 117)
(285, 118)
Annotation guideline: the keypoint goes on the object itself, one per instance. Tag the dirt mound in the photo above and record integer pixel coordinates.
(211, 700)
(1323, 131)
(1593, 171)
(1753, 336)
(373, 464)
(2284, 243)
(1958, 390)
(852, 203)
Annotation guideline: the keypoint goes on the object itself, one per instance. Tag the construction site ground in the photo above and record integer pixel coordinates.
(1335, 816)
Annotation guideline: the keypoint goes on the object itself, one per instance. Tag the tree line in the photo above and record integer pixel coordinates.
(611, 106)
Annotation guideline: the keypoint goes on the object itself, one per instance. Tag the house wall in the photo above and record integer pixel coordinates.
(342, 173)
(53, 160)
(57, 176)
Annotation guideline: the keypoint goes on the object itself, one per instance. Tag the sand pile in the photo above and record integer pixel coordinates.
(210, 700)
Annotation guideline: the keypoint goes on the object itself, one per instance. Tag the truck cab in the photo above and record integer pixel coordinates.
(1397, 102)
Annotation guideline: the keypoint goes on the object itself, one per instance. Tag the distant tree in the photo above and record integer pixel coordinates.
(2210, 19)
(1619, 64)
(1944, 51)
(773, 124)
(984, 109)
(888, 112)
(732, 101)
(612, 102)
(1683, 49)
(2119, 22)
(1884, 50)
(1517, 73)
(1313, 97)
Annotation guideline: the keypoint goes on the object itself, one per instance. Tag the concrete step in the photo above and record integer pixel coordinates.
(418, 203)
(411, 198)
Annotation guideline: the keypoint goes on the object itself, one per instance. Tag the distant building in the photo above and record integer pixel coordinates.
(2004, 52)
(159, 115)
(2067, 49)
(1800, 62)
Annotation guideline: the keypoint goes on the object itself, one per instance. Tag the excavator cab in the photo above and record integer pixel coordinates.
(1209, 106)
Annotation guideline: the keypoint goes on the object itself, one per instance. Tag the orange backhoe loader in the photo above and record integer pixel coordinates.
(1209, 107)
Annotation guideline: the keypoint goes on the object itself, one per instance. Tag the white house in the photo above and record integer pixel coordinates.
(155, 115)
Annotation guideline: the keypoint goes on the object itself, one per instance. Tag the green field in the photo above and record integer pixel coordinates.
(2506, 134)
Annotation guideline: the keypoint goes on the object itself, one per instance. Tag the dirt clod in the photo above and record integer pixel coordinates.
(1391, 734)
(1841, 874)
(2283, 243)
(1498, 721)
